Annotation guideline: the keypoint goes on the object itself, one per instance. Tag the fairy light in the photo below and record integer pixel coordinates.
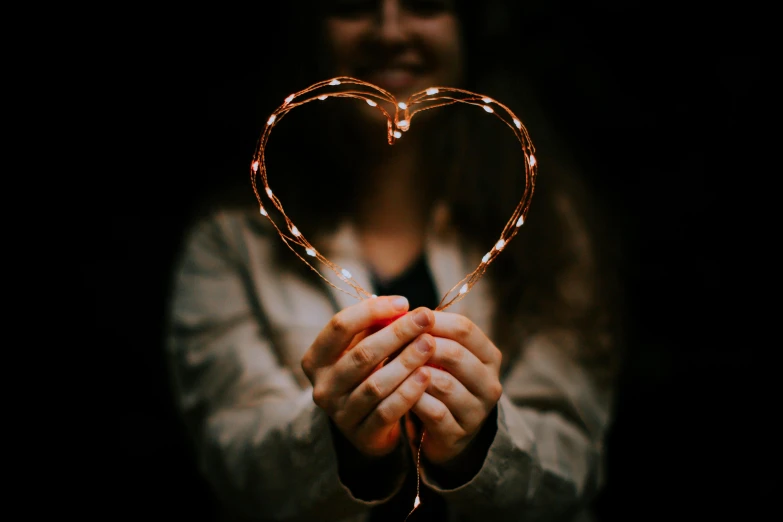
(347, 87)
(416, 103)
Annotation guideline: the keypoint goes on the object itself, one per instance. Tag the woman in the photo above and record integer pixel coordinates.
(279, 375)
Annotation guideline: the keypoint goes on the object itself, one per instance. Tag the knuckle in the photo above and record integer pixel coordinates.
(338, 324)
(495, 391)
(444, 384)
(385, 414)
(320, 396)
(452, 354)
(464, 327)
(372, 390)
(360, 356)
(439, 413)
(400, 333)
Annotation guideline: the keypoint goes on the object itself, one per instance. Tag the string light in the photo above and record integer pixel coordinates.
(424, 100)
(433, 97)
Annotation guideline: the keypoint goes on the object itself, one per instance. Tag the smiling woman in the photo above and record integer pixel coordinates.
(280, 377)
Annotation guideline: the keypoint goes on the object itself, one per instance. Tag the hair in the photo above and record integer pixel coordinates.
(560, 272)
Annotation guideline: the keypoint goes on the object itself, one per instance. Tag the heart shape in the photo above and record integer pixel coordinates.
(396, 125)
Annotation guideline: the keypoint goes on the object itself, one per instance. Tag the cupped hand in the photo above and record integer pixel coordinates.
(364, 398)
(463, 389)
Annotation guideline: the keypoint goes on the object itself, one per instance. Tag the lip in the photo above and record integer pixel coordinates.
(393, 78)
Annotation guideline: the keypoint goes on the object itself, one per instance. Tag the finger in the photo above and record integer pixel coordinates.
(360, 361)
(391, 409)
(437, 419)
(468, 410)
(333, 339)
(462, 330)
(383, 382)
(463, 365)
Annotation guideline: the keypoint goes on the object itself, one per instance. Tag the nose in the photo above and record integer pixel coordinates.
(390, 25)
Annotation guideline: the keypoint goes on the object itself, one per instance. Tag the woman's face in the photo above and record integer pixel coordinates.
(403, 46)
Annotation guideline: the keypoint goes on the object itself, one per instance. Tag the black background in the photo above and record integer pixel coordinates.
(662, 105)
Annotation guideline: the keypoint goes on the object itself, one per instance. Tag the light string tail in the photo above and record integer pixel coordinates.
(399, 117)
(417, 500)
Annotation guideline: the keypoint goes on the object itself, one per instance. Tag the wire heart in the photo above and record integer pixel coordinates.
(396, 125)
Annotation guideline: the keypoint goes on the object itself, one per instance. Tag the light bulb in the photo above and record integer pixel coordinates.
(310, 252)
(334, 82)
(322, 97)
(346, 273)
(402, 105)
(397, 134)
(288, 100)
(520, 221)
(371, 103)
(271, 120)
(485, 258)
(500, 244)
(518, 123)
(269, 192)
(488, 108)
(295, 231)
(464, 289)
(432, 90)
(263, 212)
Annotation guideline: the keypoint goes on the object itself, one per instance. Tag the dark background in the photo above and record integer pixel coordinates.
(662, 105)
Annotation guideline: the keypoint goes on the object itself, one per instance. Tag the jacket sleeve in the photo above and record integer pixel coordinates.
(265, 447)
(545, 461)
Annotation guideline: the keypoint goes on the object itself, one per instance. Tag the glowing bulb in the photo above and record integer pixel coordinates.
(416, 502)
(532, 160)
(371, 103)
(488, 108)
(520, 221)
(288, 100)
(500, 244)
(432, 90)
(310, 252)
(295, 231)
(263, 212)
(402, 105)
(346, 273)
(464, 289)
(486, 100)
(373, 295)
(485, 258)
(518, 123)
(403, 124)
(269, 192)
(334, 82)
(271, 120)
(322, 97)
(255, 166)
(397, 134)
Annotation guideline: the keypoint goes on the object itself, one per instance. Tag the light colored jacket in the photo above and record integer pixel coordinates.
(243, 315)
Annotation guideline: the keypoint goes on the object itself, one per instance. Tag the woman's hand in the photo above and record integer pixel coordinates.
(364, 399)
(463, 390)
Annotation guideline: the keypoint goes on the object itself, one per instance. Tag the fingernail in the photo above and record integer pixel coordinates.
(421, 376)
(423, 346)
(422, 318)
(399, 303)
